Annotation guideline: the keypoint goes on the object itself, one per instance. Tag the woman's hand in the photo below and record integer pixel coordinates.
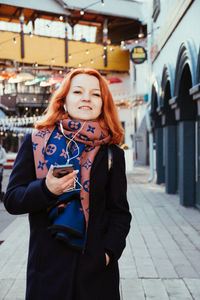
(58, 185)
(107, 259)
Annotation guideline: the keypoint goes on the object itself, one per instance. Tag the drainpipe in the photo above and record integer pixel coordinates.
(151, 157)
(148, 105)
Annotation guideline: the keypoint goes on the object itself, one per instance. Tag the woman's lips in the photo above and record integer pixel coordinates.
(85, 108)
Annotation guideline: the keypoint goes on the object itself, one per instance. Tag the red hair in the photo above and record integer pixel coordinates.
(108, 118)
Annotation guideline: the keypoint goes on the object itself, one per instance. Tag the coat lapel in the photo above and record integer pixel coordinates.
(98, 159)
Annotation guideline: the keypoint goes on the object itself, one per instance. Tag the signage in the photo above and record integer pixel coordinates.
(138, 55)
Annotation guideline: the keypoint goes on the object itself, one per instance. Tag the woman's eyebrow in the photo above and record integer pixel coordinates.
(78, 86)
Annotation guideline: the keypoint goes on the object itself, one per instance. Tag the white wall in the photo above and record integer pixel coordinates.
(142, 79)
(125, 115)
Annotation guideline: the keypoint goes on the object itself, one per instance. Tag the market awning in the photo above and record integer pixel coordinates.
(4, 75)
(113, 80)
(38, 79)
(21, 77)
(51, 81)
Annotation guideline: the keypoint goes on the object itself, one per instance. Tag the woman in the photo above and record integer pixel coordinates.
(79, 222)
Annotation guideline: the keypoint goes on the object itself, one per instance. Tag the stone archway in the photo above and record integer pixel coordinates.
(195, 92)
(158, 136)
(185, 112)
(169, 131)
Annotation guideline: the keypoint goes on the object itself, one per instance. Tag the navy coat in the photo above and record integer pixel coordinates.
(54, 271)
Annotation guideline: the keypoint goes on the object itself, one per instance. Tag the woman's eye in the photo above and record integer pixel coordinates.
(97, 95)
(77, 92)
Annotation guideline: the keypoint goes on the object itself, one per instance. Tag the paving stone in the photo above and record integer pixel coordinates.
(132, 289)
(193, 286)
(177, 290)
(161, 259)
(154, 289)
(5, 286)
(17, 291)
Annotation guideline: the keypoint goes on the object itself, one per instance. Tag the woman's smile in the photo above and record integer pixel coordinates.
(85, 108)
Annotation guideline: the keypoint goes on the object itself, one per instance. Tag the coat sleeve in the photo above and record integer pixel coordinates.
(25, 193)
(117, 207)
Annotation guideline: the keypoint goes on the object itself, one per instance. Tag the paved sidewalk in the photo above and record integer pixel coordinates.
(162, 257)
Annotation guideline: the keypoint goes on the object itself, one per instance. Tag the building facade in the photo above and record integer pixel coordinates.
(174, 65)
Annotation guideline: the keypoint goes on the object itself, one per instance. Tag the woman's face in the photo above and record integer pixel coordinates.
(84, 100)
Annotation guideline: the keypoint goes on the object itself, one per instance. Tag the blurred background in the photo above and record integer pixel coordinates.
(147, 51)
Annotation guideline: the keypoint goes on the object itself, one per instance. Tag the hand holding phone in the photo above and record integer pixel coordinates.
(62, 170)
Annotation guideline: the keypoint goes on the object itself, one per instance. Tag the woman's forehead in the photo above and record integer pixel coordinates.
(85, 79)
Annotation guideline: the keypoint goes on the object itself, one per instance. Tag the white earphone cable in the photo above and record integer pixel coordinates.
(68, 158)
(71, 140)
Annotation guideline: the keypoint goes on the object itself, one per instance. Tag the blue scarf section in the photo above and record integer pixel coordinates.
(67, 221)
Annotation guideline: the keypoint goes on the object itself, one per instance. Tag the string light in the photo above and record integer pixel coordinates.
(91, 61)
(87, 51)
(61, 18)
(14, 40)
(79, 65)
(53, 60)
(70, 56)
(82, 11)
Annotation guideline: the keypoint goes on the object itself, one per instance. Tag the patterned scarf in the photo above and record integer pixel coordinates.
(91, 135)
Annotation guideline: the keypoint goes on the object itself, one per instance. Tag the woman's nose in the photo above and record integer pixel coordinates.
(86, 97)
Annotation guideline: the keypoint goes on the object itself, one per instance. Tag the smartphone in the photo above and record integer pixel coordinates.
(62, 170)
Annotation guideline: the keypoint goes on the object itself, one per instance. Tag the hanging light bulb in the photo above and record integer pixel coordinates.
(79, 65)
(91, 61)
(14, 40)
(82, 12)
(87, 51)
(70, 56)
(102, 2)
(53, 60)
(61, 18)
(140, 34)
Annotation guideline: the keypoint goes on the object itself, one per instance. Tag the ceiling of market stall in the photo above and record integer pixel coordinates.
(125, 18)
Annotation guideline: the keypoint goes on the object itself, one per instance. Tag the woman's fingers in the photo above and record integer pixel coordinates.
(107, 259)
(59, 185)
(69, 176)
